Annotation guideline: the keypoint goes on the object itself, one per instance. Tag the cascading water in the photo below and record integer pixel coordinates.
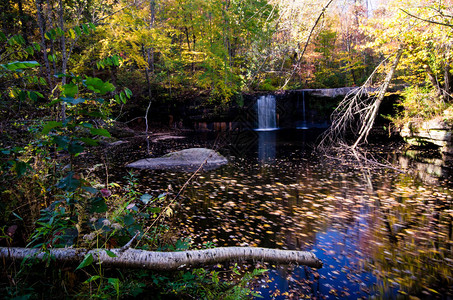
(304, 118)
(267, 119)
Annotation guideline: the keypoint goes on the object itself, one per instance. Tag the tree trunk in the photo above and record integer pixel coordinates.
(373, 110)
(64, 57)
(432, 78)
(448, 86)
(150, 68)
(134, 258)
(42, 29)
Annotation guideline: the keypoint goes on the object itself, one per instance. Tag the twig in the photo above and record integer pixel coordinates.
(306, 43)
(425, 20)
(128, 245)
(178, 194)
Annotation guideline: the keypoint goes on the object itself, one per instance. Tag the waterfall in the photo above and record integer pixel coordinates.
(267, 119)
(304, 118)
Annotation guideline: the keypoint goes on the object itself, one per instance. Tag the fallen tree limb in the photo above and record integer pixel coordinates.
(135, 258)
(356, 113)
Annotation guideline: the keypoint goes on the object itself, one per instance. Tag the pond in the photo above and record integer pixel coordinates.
(380, 233)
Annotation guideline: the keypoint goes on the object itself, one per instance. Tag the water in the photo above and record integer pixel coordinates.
(380, 234)
(266, 111)
(304, 117)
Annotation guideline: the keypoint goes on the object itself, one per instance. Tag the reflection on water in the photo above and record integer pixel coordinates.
(266, 146)
(382, 234)
(430, 167)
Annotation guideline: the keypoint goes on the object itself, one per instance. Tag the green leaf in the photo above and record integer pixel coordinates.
(90, 189)
(70, 90)
(98, 205)
(87, 125)
(61, 141)
(19, 65)
(37, 46)
(92, 26)
(98, 86)
(85, 29)
(75, 147)
(92, 278)
(17, 216)
(73, 101)
(90, 142)
(78, 31)
(116, 284)
(32, 96)
(154, 210)
(17, 39)
(55, 101)
(30, 50)
(88, 260)
(123, 97)
(59, 31)
(128, 220)
(110, 253)
(128, 92)
(115, 60)
(50, 125)
(100, 131)
(20, 167)
(146, 198)
(69, 183)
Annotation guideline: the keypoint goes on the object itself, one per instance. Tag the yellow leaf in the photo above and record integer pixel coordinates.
(169, 212)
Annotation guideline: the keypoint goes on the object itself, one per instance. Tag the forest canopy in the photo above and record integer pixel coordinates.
(171, 49)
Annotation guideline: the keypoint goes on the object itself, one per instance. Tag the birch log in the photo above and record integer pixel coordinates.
(135, 258)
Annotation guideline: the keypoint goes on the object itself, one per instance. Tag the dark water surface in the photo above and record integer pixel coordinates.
(381, 234)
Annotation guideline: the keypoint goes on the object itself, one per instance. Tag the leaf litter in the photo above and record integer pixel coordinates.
(392, 239)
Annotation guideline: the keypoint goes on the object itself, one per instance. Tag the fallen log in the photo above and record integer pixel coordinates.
(135, 258)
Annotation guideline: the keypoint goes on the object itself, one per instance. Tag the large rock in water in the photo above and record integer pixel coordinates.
(187, 160)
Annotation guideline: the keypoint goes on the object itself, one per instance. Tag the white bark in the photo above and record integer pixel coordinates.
(373, 110)
(357, 112)
(134, 258)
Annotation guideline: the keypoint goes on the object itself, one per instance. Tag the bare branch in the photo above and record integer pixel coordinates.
(357, 111)
(306, 43)
(425, 20)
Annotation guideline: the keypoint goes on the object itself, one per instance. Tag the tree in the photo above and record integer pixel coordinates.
(421, 53)
(426, 53)
(134, 258)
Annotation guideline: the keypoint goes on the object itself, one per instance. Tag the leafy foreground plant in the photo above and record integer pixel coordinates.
(105, 273)
(101, 280)
(97, 227)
